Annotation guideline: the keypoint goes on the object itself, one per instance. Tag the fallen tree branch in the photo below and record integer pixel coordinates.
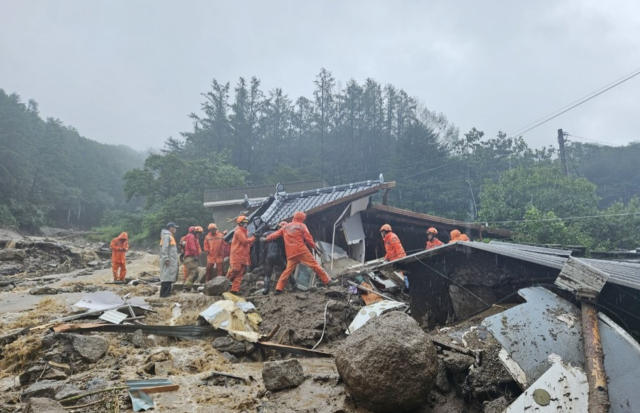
(70, 399)
(83, 405)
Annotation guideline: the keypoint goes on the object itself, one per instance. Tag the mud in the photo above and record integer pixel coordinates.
(301, 320)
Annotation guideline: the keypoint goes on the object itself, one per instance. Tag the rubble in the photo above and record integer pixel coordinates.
(43, 388)
(279, 375)
(44, 290)
(44, 405)
(217, 286)
(456, 362)
(91, 348)
(10, 254)
(229, 345)
(69, 390)
(137, 338)
(389, 364)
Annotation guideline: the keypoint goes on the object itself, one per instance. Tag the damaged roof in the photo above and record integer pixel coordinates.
(620, 273)
(284, 205)
(417, 218)
(214, 196)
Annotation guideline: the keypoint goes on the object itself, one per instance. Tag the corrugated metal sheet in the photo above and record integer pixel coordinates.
(621, 273)
(541, 250)
(113, 316)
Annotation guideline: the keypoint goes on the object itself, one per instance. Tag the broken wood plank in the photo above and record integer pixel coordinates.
(371, 291)
(581, 278)
(300, 351)
(61, 328)
(159, 389)
(213, 374)
(370, 298)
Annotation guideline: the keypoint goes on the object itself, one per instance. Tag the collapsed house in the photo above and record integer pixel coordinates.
(227, 203)
(457, 280)
(348, 217)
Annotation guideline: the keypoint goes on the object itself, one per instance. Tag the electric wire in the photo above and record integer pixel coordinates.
(576, 103)
(564, 219)
(324, 326)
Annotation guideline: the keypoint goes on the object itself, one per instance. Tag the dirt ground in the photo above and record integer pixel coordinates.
(301, 317)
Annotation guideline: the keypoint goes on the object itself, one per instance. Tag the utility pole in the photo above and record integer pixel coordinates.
(563, 156)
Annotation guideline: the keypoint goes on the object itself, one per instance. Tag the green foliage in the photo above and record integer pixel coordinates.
(542, 187)
(173, 185)
(6, 217)
(51, 174)
(545, 228)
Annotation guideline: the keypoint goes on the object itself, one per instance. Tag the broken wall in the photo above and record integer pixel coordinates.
(455, 285)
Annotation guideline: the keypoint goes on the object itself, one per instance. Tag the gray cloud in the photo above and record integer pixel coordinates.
(130, 72)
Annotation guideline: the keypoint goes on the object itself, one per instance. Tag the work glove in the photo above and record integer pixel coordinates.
(263, 239)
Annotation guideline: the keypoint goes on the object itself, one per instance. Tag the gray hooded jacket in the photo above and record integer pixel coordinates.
(168, 252)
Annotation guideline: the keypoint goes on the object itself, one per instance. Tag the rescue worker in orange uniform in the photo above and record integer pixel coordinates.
(119, 247)
(297, 241)
(457, 236)
(393, 248)
(240, 258)
(215, 251)
(432, 239)
(192, 252)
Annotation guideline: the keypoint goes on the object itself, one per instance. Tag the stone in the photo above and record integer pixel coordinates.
(36, 372)
(42, 405)
(91, 348)
(163, 368)
(456, 362)
(43, 388)
(217, 286)
(498, 405)
(43, 290)
(93, 263)
(389, 364)
(285, 374)
(69, 390)
(229, 345)
(11, 254)
(229, 357)
(137, 338)
(442, 381)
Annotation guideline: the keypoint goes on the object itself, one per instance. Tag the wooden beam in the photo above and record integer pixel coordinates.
(594, 360)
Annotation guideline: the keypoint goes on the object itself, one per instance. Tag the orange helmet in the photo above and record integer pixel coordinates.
(433, 231)
(282, 223)
(300, 216)
(212, 226)
(192, 229)
(242, 218)
(199, 229)
(385, 227)
(123, 235)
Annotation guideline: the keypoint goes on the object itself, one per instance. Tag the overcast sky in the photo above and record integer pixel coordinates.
(129, 72)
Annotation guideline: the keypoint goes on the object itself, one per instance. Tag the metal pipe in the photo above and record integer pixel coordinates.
(594, 359)
(333, 238)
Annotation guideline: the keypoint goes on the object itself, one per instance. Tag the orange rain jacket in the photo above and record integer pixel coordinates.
(432, 244)
(119, 247)
(393, 247)
(214, 248)
(241, 247)
(457, 236)
(297, 238)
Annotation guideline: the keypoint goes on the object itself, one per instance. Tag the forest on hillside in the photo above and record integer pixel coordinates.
(244, 135)
(51, 175)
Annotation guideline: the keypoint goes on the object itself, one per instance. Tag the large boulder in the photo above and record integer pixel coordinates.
(278, 375)
(389, 364)
(11, 254)
(42, 405)
(217, 286)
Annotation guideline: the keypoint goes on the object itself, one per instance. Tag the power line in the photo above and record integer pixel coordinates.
(580, 102)
(565, 219)
(592, 140)
(575, 101)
